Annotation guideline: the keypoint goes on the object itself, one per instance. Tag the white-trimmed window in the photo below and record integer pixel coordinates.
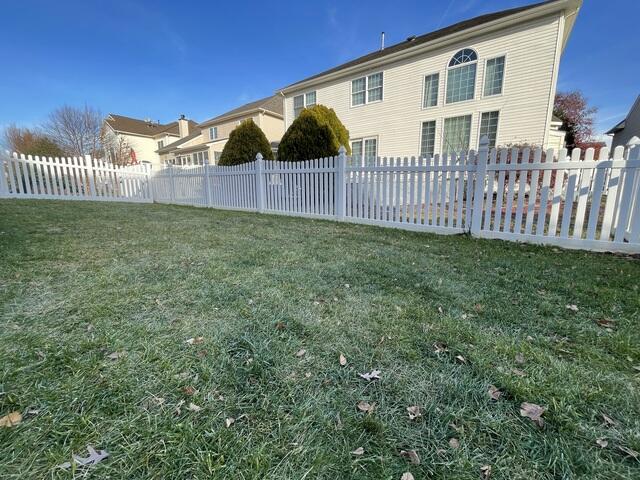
(160, 144)
(213, 133)
(494, 76)
(461, 76)
(489, 126)
(428, 138)
(300, 102)
(364, 151)
(367, 89)
(456, 134)
(430, 96)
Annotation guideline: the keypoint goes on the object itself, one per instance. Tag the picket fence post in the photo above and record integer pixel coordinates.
(260, 188)
(171, 184)
(478, 195)
(341, 187)
(630, 193)
(207, 184)
(88, 162)
(4, 188)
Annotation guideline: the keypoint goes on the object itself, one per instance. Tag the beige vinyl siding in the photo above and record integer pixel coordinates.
(272, 127)
(528, 87)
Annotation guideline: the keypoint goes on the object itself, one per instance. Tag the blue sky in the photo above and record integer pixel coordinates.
(161, 58)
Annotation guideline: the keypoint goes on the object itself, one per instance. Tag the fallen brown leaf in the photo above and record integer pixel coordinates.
(414, 412)
(518, 372)
(407, 476)
(229, 421)
(195, 340)
(533, 412)
(440, 347)
(602, 442)
(194, 408)
(116, 355)
(454, 443)
(366, 406)
(411, 455)
(189, 390)
(494, 393)
(358, 451)
(11, 420)
(280, 326)
(343, 360)
(485, 470)
(519, 358)
(606, 323)
(461, 359)
(573, 308)
(301, 353)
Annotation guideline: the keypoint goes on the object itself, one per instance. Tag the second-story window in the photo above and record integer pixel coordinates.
(430, 97)
(366, 89)
(213, 133)
(300, 102)
(160, 144)
(494, 76)
(461, 76)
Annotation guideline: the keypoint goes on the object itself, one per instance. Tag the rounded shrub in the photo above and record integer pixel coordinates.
(245, 141)
(316, 133)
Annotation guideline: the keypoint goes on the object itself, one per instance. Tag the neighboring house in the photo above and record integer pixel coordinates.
(138, 140)
(493, 75)
(207, 140)
(627, 128)
(557, 136)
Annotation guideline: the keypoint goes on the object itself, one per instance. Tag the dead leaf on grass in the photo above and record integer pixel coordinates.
(533, 412)
(414, 412)
(358, 451)
(411, 455)
(518, 372)
(229, 421)
(343, 360)
(573, 308)
(11, 420)
(607, 324)
(93, 458)
(281, 326)
(195, 340)
(194, 408)
(440, 347)
(494, 392)
(116, 355)
(485, 471)
(608, 420)
(300, 353)
(366, 406)
(372, 375)
(407, 476)
(461, 359)
(519, 358)
(189, 390)
(454, 443)
(602, 442)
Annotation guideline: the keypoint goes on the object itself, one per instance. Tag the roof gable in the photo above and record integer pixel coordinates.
(272, 104)
(146, 128)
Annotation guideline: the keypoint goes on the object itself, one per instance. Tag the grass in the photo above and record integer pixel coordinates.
(81, 280)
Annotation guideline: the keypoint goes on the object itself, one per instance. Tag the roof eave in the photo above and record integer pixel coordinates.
(226, 118)
(570, 8)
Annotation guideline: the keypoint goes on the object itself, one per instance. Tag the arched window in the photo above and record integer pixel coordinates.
(465, 55)
(461, 76)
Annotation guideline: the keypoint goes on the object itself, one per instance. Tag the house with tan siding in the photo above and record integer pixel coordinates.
(492, 75)
(133, 140)
(206, 141)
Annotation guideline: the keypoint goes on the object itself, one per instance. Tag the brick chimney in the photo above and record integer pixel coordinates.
(183, 126)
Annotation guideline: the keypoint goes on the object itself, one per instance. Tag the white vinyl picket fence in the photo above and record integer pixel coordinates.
(513, 194)
(72, 178)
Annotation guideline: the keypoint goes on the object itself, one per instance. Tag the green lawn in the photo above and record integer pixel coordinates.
(80, 280)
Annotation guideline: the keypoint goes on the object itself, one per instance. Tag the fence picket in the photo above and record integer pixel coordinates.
(583, 195)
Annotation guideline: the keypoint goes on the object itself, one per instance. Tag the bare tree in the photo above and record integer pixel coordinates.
(77, 130)
(116, 148)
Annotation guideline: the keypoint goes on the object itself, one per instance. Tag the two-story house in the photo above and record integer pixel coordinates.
(131, 140)
(628, 128)
(205, 143)
(492, 75)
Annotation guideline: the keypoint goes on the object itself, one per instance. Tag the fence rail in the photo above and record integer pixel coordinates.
(513, 194)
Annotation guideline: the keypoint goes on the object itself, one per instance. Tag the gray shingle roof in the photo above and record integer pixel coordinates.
(272, 104)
